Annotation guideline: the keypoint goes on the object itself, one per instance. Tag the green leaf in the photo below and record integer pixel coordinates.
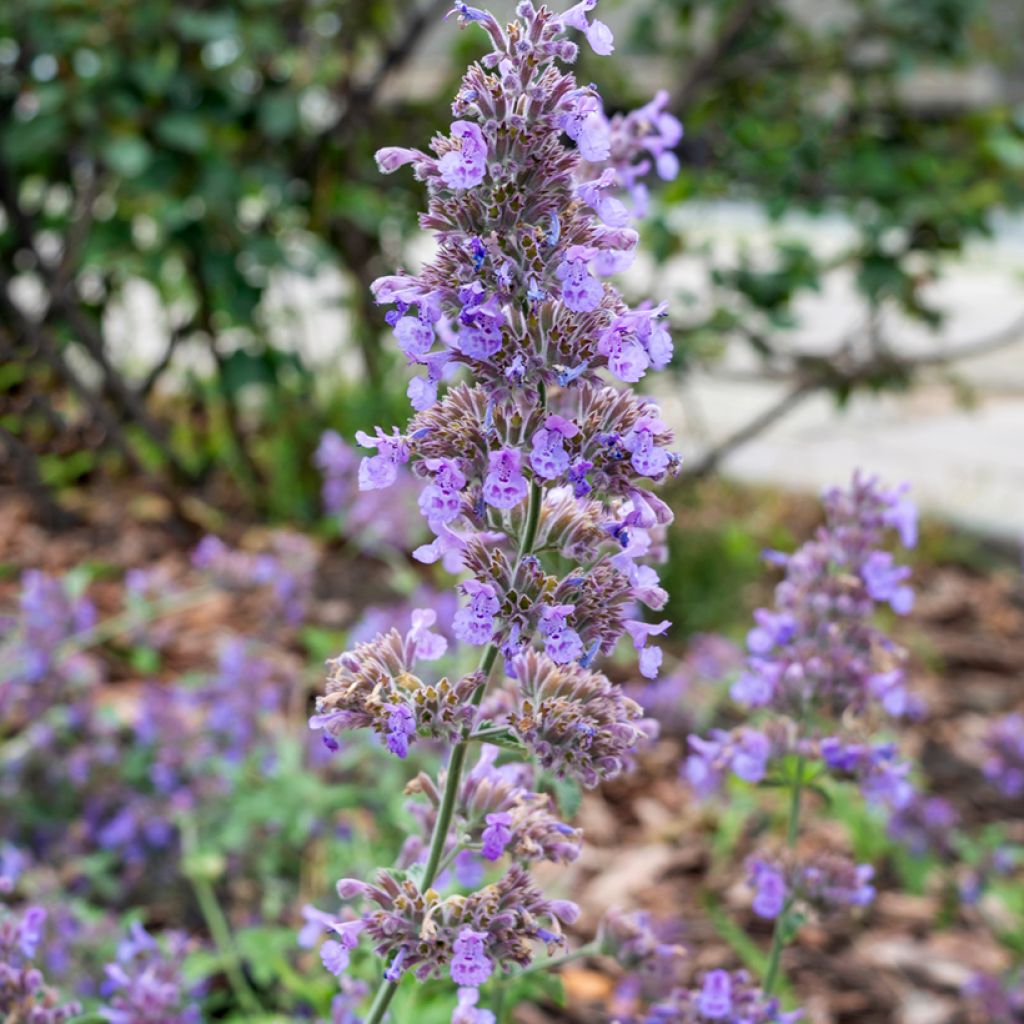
(128, 155)
(187, 132)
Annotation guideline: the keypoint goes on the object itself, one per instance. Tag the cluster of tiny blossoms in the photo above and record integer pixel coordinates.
(533, 459)
(25, 998)
(820, 676)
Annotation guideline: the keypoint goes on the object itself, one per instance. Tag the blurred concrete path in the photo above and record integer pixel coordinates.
(964, 463)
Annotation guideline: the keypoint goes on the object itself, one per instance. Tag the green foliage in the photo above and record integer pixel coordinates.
(207, 152)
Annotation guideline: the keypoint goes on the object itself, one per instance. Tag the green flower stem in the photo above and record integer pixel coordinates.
(792, 832)
(199, 878)
(220, 930)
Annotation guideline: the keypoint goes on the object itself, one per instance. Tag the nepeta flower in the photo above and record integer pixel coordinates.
(770, 890)
(504, 486)
(465, 166)
(722, 996)
(467, 1012)
(1005, 762)
(549, 459)
(475, 623)
(381, 470)
(824, 882)
(819, 649)
(744, 751)
(24, 994)
(470, 965)
(145, 983)
(373, 687)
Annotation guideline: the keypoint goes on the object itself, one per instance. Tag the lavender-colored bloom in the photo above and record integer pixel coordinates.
(1004, 764)
(769, 889)
(401, 726)
(145, 984)
(465, 166)
(467, 1012)
(598, 34)
(647, 459)
(504, 485)
(715, 1000)
(627, 358)
(650, 655)
(480, 325)
(474, 624)
(884, 581)
(381, 470)
(721, 996)
(561, 642)
(609, 208)
(580, 291)
(429, 645)
(440, 501)
(549, 459)
(744, 751)
(470, 965)
(497, 835)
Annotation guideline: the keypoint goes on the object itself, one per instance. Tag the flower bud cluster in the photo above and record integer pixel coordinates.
(465, 936)
(497, 814)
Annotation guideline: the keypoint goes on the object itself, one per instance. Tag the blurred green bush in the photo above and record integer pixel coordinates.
(211, 150)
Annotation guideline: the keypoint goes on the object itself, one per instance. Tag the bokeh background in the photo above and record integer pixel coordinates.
(190, 216)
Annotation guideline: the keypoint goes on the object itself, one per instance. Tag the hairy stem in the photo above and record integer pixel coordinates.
(792, 832)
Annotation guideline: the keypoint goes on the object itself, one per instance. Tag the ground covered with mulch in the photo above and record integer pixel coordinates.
(649, 844)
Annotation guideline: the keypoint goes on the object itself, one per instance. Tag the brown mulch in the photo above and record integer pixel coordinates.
(649, 845)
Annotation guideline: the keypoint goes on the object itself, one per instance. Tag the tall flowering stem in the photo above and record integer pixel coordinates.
(822, 677)
(531, 455)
